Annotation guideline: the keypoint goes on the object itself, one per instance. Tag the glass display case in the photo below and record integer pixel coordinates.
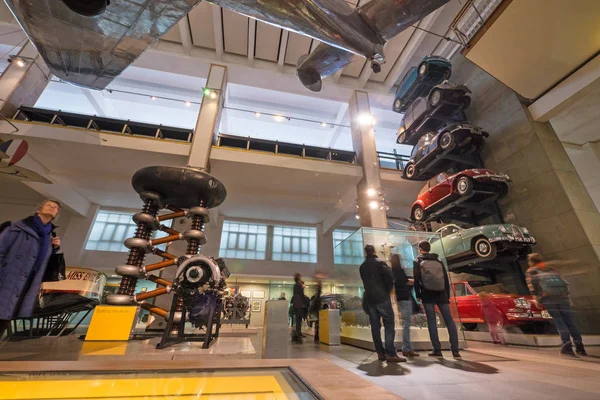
(356, 328)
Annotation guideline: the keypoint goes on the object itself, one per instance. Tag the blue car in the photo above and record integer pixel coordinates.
(418, 82)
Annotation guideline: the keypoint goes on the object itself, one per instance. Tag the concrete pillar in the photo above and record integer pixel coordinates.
(23, 82)
(324, 251)
(209, 117)
(363, 142)
(547, 194)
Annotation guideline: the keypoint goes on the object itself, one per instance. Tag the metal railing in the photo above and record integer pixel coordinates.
(276, 147)
(101, 124)
(472, 17)
(392, 160)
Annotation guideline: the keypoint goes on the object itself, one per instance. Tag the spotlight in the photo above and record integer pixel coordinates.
(374, 205)
(153, 97)
(371, 192)
(357, 216)
(206, 91)
(20, 63)
(257, 114)
(213, 95)
(324, 124)
(278, 118)
(366, 119)
(187, 103)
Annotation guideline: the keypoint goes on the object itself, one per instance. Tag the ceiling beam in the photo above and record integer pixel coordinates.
(282, 49)
(411, 47)
(345, 206)
(335, 133)
(186, 35)
(102, 105)
(217, 15)
(251, 39)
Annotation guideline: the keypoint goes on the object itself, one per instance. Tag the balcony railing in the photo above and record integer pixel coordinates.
(276, 147)
(392, 160)
(101, 124)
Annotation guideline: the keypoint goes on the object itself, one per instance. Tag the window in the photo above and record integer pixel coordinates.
(294, 244)
(111, 228)
(347, 248)
(245, 241)
(460, 290)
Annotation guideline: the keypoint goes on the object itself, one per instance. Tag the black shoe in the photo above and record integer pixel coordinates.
(395, 359)
(567, 350)
(296, 340)
(411, 353)
(381, 356)
(436, 354)
(580, 349)
(456, 355)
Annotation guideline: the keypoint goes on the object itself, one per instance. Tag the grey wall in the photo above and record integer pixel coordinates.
(547, 195)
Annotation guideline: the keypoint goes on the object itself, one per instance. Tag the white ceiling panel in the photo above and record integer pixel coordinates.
(235, 29)
(297, 46)
(173, 34)
(267, 41)
(201, 25)
(354, 68)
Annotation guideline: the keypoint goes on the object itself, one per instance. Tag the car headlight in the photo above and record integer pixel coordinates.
(503, 229)
(522, 303)
(525, 231)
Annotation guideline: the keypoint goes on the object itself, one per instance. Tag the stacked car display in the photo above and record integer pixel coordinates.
(457, 188)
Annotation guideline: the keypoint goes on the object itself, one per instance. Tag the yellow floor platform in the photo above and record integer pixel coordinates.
(260, 384)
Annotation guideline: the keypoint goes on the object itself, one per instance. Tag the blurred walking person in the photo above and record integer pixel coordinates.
(403, 285)
(300, 305)
(432, 286)
(378, 282)
(553, 293)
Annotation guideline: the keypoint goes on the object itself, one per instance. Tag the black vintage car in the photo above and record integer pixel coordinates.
(459, 139)
(431, 112)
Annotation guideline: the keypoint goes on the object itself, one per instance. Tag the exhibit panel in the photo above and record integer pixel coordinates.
(356, 328)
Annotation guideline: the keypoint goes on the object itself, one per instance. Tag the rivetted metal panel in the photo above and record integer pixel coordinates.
(92, 51)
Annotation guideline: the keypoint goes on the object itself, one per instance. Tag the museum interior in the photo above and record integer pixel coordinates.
(213, 199)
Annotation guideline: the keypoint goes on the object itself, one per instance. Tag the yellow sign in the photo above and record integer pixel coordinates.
(324, 326)
(112, 323)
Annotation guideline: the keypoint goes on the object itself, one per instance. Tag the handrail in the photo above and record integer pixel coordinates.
(397, 161)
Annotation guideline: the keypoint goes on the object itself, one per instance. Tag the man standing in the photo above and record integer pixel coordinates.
(432, 287)
(25, 247)
(299, 303)
(553, 291)
(403, 285)
(378, 281)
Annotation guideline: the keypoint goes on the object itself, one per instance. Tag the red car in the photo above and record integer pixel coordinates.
(477, 185)
(503, 309)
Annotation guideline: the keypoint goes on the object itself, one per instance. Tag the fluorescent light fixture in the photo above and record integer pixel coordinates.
(257, 114)
(187, 103)
(153, 97)
(278, 118)
(324, 124)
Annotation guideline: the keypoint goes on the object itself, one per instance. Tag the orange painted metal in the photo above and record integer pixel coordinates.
(160, 281)
(156, 310)
(164, 254)
(159, 265)
(170, 238)
(171, 216)
(150, 294)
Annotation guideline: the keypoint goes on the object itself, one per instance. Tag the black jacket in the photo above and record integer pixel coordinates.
(299, 299)
(430, 296)
(377, 279)
(401, 284)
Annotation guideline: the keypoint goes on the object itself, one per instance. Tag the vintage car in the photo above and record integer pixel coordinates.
(459, 139)
(478, 185)
(418, 82)
(503, 309)
(429, 113)
(486, 241)
(342, 302)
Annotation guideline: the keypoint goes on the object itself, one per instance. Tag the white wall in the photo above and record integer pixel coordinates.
(586, 160)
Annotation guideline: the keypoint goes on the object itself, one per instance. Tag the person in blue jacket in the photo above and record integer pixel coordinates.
(25, 247)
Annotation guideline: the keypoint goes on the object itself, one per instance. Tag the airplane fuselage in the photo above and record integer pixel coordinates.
(330, 21)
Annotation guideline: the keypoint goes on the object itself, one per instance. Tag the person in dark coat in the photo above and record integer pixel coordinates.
(403, 285)
(25, 247)
(431, 298)
(378, 281)
(300, 305)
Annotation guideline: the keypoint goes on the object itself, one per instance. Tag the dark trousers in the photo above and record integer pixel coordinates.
(432, 326)
(377, 313)
(298, 313)
(560, 310)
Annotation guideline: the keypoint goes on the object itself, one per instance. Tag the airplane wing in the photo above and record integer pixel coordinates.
(22, 174)
(11, 152)
(321, 63)
(91, 52)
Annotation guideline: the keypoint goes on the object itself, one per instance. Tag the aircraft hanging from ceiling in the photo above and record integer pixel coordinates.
(90, 42)
(11, 152)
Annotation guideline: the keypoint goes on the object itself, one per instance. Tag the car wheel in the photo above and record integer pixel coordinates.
(418, 214)
(447, 74)
(484, 249)
(466, 102)
(423, 70)
(410, 170)
(402, 138)
(447, 140)
(397, 104)
(469, 327)
(464, 186)
(435, 97)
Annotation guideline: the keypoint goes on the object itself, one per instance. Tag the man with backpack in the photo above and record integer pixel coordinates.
(378, 281)
(432, 287)
(553, 293)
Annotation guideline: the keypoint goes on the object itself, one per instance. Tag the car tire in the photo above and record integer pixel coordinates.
(401, 138)
(447, 74)
(423, 70)
(397, 105)
(447, 140)
(469, 326)
(466, 102)
(483, 248)
(435, 97)
(464, 186)
(410, 170)
(418, 214)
